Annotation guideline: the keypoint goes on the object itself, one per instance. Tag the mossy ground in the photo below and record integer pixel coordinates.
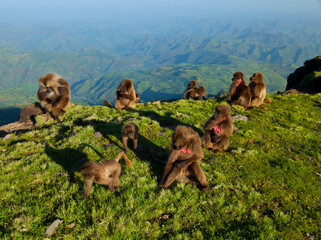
(266, 186)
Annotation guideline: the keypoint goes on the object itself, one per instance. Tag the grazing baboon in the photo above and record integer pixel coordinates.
(54, 94)
(125, 95)
(129, 131)
(195, 93)
(258, 89)
(105, 173)
(186, 152)
(239, 93)
(137, 98)
(218, 128)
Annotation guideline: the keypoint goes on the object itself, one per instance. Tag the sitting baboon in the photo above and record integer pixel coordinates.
(239, 93)
(105, 173)
(218, 128)
(186, 152)
(258, 89)
(129, 131)
(54, 94)
(125, 95)
(191, 85)
(195, 93)
(137, 98)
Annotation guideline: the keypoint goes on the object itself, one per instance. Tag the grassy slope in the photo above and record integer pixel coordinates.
(266, 186)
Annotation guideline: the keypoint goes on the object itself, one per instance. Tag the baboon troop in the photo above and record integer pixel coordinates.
(239, 93)
(218, 128)
(186, 152)
(194, 92)
(125, 95)
(54, 94)
(129, 131)
(105, 173)
(186, 144)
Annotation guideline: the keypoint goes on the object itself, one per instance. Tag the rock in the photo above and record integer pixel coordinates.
(8, 136)
(306, 79)
(28, 113)
(98, 134)
(53, 226)
(235, 129)
(240, 117)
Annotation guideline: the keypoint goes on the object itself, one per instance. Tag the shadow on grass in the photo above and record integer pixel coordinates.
(144, 144)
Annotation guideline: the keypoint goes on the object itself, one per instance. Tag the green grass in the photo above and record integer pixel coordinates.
(266, 186)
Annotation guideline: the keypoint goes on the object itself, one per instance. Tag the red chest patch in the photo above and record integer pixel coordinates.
(185, 150)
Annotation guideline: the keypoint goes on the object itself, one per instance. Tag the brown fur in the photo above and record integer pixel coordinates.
(125, 95)
(130, 131)
(239, 93)
(108, 104)
(195, 93)
(191, 85)
(105, 173)
(28, 113)
(137, 98)
(258, 89)
(54, 94)
(218, 128)
(181, 163)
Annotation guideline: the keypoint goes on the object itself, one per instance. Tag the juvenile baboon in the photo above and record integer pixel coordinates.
(195, 93)
(258, 89)
(186, 152)
(239, 91)
(125, 95)
(105, 173)
(129, 131)
(137, 98)
(54, 94)
(218, 128)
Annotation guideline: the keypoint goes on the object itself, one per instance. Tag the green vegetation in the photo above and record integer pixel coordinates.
(266, 186)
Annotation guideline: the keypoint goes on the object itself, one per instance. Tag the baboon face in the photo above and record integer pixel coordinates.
(237, 77)
(257, 77)
(51, 94)
(192, 84)
(125, 87)
(180, 141)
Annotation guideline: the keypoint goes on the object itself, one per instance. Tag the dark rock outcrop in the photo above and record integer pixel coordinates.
(307, 78)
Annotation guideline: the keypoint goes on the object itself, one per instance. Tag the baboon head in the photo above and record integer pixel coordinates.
(238, 77)
(257, 77)
(222, 111)
(183, 139)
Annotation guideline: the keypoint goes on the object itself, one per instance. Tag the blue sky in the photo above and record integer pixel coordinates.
(67, 10)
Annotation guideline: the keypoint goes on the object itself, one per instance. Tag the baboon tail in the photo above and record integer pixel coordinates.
(187, 92)
(268, 100)
(122, 154)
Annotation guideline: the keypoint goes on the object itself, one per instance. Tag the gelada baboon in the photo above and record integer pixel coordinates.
(54, 94)
(191, 85)
(186, 152)
(129, 131)
(258, 89)
(137, 98)
(105, 173)
(218, 128)
(125, 95)
(28, 113)
(239, 93)
(196, 93)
